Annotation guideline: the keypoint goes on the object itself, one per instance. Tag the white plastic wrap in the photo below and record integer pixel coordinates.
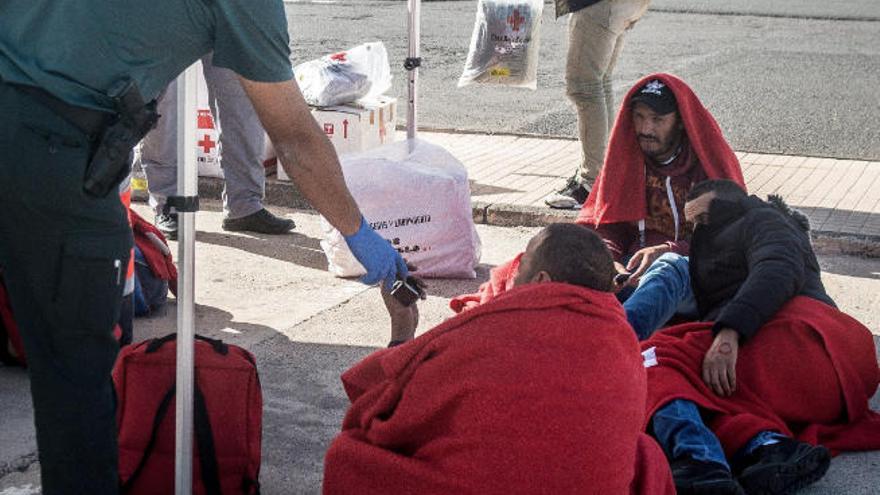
(417, 196)
(505, 43)
(345, 77)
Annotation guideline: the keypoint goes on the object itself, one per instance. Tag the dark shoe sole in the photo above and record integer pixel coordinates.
(785, 478)
(245, 228)
(710, 488)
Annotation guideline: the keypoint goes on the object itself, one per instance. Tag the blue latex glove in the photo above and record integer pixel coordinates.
(382, 262)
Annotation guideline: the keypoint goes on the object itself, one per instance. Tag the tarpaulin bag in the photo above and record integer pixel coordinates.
(417, 196)
(227, 418)
(505, 44)
(11, 346)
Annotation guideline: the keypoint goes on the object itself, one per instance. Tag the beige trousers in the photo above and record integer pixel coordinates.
(595, 38)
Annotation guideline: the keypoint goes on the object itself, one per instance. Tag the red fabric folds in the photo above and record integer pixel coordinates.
(809, 373)
(618, 194)
(154, 247)
(500, 280)
(539, 391)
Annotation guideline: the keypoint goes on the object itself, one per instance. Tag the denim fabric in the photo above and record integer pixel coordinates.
(680, 431)
(664, 290)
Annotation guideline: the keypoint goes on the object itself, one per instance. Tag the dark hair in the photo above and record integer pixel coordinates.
(724, 189)
(574, 254)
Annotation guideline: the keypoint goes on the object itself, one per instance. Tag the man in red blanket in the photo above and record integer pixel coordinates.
(664, 141)
(774, 361)
(539, 391)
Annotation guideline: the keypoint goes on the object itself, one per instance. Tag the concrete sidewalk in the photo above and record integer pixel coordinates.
(510, 176)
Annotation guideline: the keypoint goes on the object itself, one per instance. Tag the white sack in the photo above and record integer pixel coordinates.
(345, 77)
(504, 46)
(419, 200)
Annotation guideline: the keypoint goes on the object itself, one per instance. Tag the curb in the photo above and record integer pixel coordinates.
(285, 194)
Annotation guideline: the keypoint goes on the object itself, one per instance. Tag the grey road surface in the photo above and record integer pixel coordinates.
(789, 76)
(272, 295)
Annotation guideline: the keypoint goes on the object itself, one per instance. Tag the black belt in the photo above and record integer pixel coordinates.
(89, 121)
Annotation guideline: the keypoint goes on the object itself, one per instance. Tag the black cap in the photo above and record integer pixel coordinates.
(656, 95)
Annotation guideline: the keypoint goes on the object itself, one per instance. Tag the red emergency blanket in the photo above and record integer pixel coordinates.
(808, 373)
(618, 194)
(154, 247)
(539, 391)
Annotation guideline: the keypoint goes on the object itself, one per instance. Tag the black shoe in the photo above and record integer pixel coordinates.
(703, 478)
(167, 224)
(262, 222)
(784, 467)
(571, 196)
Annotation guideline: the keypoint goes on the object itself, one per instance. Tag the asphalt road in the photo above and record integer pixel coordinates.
(789, 76)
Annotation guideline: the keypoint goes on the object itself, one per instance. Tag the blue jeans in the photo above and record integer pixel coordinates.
(663, 291)
(681, 432)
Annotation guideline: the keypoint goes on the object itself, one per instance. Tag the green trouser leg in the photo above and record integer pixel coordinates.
(63, 256)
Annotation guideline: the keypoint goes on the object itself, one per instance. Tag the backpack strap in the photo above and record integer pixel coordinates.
(204, 440)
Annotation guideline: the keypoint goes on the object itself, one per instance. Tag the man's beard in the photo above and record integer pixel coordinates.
(659, 148)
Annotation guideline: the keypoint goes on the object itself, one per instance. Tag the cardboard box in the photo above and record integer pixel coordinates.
(356, 127)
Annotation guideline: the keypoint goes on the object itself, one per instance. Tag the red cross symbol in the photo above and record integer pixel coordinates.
(207, 143)
(515, 20)
(338, 57)
(328, 129)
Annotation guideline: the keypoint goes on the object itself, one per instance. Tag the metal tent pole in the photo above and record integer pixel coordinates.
(187, 187)
(412, 64)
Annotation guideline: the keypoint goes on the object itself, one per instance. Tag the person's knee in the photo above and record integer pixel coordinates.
(587, 86)
(673, 265)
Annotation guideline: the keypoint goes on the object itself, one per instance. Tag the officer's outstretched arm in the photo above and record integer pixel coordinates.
(310, 160)
(304, 151)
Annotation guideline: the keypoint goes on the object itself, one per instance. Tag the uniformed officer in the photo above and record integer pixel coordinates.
(64, 249)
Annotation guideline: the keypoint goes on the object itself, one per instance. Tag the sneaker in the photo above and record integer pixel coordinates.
(571, 196)
(694, 477)
(262, 222)
(784, 467)
(167, 224)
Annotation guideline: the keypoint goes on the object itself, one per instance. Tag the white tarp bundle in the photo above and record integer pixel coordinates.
(504, 46)
(415, 195)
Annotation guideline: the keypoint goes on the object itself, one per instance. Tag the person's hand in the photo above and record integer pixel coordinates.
(382, 262)
(643, 258)
(719, 365)
(622, 278)
(404, 319)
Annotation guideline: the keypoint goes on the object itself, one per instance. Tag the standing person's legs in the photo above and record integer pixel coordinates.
(158, 158)
(64, 256)
(242, 140)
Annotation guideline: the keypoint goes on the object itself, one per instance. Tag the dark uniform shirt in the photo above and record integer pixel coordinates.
(79, 50)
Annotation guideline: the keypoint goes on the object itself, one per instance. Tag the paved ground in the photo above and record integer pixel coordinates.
(794, 77)
(272, 295)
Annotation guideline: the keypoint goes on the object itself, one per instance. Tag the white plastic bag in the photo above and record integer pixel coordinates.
(419, 200)
(345, 77)
(504, 46)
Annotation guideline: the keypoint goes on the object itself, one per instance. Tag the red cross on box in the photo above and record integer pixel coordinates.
(207, 143)
(515, 20)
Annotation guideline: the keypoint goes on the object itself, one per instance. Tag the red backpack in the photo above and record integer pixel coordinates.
(11, 347)
(227, 418)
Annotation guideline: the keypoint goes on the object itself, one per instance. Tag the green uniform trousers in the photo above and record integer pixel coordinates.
(63, 256)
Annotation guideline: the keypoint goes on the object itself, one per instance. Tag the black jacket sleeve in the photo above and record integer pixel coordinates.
(776, 273)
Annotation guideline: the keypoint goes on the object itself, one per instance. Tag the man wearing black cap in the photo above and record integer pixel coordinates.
(651, 156)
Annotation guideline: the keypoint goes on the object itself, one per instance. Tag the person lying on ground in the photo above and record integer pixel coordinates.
(744, 401)
(538, 391)
(664, 142)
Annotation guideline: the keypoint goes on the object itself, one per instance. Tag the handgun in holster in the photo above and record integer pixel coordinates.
(110, 165)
